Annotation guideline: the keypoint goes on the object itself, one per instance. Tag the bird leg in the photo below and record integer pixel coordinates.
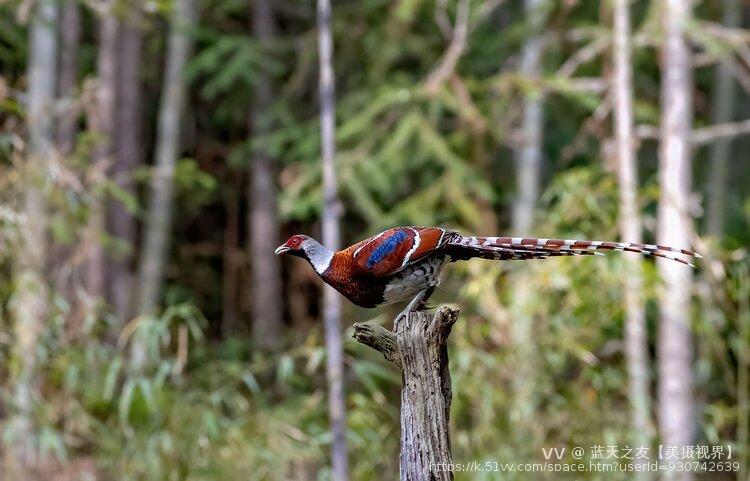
(412, 305)
(422, 304)
(419, 303)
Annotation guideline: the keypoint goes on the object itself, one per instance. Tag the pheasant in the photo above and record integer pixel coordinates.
(406, 262)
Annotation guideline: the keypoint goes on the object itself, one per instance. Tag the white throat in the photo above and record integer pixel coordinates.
(319, 256)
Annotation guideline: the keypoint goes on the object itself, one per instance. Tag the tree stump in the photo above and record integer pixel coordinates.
(419, 347)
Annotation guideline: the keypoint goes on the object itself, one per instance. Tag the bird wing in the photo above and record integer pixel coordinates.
(387, 253)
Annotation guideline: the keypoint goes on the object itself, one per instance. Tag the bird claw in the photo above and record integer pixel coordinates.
(425, 307)
(422, 306)
(419, 303)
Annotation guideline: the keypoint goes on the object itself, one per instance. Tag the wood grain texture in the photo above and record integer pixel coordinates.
(420, 342)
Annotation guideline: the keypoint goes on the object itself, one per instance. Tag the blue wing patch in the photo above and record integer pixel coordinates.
(386, 247)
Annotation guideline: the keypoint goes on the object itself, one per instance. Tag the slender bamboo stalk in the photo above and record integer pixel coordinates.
(121, 222)
(263, 221)
(636, 341)
(102, 121)
(675, 352)
(30, 304)
(159, 220)
(67, 129)
(70, 39)
(529, 156)
(722, 110)
(743, 378)
(332, 239)
(528, 160)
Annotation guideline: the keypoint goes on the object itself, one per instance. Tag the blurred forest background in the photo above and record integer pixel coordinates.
(154, 153)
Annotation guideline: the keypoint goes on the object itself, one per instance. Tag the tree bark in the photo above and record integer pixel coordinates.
(743, 383)
(636, 342)
(419, 348)
(66, 131)
(128, 156)
(676, 410)
(722, 110)
(159, 219)
(30, 304)
(264, 222)
(529, 156)
(70, 39)
(230, 259)
(102, 121)
(331, 239)
(528, 181)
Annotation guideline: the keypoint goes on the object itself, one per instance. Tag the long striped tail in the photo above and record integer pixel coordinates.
(524, 248)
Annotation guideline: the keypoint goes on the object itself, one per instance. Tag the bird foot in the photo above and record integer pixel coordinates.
(423, 306)
(419, 303)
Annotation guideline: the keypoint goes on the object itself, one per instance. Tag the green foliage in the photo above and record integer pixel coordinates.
(207, 405)
(13, 41)
(195, 187)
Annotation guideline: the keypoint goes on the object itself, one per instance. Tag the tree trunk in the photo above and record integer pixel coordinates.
(528, 180)
(722, 110)
(331, 239)
(128, 156)
(30, 305)
(264, 222)
(420, 348)
(230, 259)
(67, 129)
(159, 219)
(70, 39)
(743, 380)
(636, 342)
(676, 410)
(529, 156)
(102, 122)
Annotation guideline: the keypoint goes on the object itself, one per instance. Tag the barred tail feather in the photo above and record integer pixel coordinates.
(509, 254)
(542, 248)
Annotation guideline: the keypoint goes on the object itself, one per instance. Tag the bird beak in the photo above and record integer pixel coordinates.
(280, 250)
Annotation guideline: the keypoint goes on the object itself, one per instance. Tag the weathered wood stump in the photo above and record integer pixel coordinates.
(419, 347)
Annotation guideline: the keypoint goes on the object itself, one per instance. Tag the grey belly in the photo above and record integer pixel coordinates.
(413, 279)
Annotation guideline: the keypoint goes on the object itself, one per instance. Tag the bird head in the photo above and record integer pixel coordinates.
(307, 248)
(294, 246)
